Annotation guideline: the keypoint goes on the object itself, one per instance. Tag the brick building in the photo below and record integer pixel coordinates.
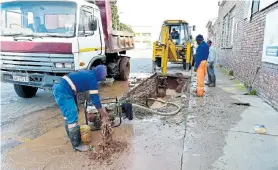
(245, 35)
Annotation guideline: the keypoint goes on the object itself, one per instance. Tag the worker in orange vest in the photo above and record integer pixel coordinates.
(201, 57)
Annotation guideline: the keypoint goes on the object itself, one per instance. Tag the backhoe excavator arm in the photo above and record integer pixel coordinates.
(166, 50)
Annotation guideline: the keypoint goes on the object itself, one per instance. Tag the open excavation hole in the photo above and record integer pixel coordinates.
(176, 87)
(177, 84)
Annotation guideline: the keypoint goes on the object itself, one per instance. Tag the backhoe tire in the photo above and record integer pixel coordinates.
(184, 64)
(124, 69)
(158, 62)
(25, 91)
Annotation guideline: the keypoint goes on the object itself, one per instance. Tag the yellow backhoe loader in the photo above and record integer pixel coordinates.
(174, 45)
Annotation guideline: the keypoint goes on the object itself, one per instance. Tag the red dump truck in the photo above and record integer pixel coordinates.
(43, 40)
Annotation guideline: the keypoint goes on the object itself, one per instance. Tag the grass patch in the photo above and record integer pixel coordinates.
(245, 84)
(226, 73)
(236, 81)
(252, 92)
(231, 73)
(240, 87)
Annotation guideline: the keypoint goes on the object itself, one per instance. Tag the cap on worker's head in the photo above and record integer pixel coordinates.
(199, 38)
(101, 72)
(209, 42)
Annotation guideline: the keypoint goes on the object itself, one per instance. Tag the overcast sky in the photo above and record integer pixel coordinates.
(153, 12)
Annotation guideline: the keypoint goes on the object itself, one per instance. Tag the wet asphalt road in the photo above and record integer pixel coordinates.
(17, 112)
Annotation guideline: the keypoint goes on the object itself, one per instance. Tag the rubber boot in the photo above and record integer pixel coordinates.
(75, 138)
(212, 85)
(212, 81)
(66, 126)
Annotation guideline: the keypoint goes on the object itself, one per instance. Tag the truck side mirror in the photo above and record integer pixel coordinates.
(194, 28)
(93, 24)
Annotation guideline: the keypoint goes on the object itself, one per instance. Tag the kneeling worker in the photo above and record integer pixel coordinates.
(65, 92)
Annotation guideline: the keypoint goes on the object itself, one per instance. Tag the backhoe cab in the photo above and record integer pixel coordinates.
(174, 45)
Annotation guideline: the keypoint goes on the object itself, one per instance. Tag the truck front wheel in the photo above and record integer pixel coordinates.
(25, 91)
(124, 69)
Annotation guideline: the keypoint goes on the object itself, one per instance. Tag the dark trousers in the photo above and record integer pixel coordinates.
(211, 74)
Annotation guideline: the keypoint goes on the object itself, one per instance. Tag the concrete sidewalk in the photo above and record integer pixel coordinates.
(221, 135)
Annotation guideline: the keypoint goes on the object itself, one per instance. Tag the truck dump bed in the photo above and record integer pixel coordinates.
(115, 41)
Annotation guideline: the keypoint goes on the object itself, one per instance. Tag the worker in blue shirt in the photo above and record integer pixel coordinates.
(201, 57)
(175, 34)
(65, 92)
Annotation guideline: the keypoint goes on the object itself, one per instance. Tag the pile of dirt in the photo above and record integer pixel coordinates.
(108, 146)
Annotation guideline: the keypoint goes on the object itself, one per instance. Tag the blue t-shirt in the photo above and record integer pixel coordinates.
(202, 53)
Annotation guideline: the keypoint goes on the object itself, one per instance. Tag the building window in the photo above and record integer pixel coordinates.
(255, 6)
(228, 28)
(146, 34)
(224, 31)
(231, 27)
(218, 37)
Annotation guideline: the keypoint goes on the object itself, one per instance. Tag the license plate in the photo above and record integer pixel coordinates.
(21, 78)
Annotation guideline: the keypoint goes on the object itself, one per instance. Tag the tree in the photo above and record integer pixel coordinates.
(116, 24)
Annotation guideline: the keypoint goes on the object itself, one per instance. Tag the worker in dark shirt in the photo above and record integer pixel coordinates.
(65, 92)
(201, 57)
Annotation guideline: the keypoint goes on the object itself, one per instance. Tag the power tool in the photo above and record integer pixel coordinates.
(114, 108)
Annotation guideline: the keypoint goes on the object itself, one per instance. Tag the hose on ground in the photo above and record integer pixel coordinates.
(157, 112)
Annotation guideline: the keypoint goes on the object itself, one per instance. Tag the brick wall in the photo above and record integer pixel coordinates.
(245, 57)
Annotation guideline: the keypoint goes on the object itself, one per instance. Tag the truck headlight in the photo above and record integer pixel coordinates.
(68, 65)
(59, 65)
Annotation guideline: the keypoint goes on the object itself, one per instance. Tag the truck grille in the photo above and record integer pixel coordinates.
(35, 62)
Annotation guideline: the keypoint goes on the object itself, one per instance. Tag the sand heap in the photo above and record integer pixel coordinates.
(107, 146)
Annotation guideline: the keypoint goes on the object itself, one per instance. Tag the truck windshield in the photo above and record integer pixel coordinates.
(38, 18)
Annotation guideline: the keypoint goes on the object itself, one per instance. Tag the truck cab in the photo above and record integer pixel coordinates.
(43, 40)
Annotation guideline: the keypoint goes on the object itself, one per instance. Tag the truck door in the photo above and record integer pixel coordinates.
(89, 41)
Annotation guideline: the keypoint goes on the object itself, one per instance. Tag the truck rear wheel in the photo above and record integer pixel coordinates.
(124, 69)
(25, 91)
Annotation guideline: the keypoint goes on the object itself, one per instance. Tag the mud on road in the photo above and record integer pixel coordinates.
(192, 139)
(25, 119)
(53, 150)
